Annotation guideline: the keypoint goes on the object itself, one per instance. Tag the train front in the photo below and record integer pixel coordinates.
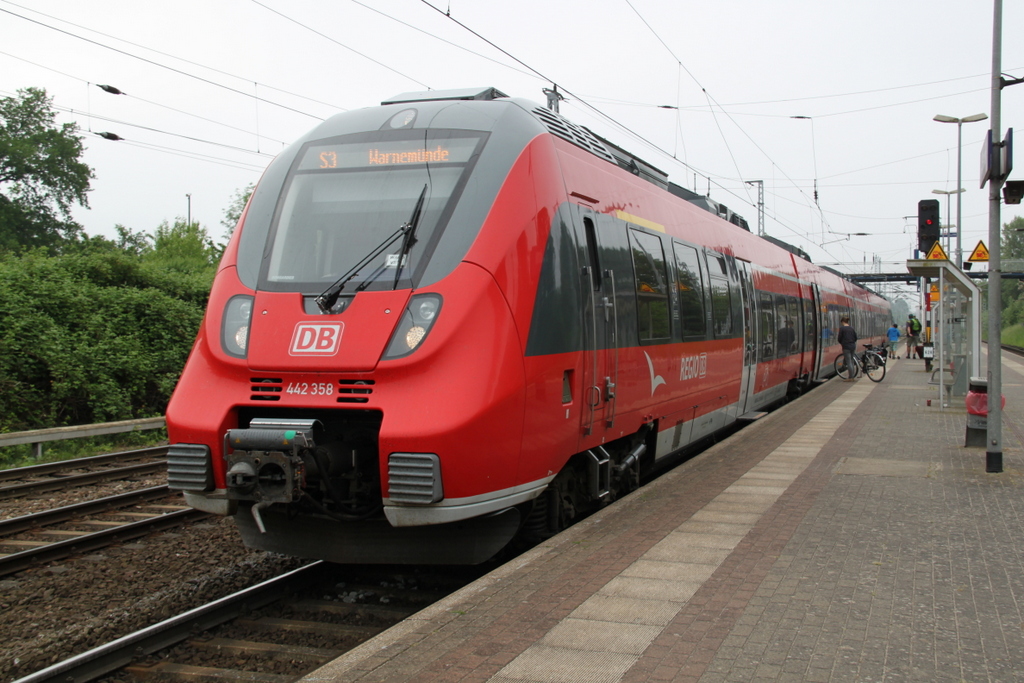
(356, 391)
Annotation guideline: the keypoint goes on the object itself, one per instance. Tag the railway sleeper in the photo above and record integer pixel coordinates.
(184, 672)
(321, 628)
(352, 608)
(290, 653)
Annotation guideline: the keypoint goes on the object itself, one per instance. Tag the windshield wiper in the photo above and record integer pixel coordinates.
(410, 235)
(329, 296)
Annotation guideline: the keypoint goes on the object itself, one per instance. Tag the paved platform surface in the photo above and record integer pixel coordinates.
(847, 537)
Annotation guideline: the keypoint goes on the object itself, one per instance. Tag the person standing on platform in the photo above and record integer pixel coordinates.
(913, 329)
(847, 338)
(894, 338)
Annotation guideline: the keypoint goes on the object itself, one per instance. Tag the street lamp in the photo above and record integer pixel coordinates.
(941, 118)
(948, 224)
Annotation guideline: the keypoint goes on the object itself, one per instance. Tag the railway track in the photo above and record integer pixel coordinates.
(1013, 349)
(55, 476)
(32, 539)
(273, 632)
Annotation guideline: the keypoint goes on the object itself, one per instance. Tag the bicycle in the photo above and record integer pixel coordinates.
(869, 361)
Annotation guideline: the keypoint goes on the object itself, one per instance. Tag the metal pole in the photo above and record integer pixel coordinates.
(994, 433)
(940, 326)
(959, 192)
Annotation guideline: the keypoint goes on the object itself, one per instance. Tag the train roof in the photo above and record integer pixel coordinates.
(585, 139)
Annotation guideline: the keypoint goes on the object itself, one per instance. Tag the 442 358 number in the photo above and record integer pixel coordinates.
(310, 388)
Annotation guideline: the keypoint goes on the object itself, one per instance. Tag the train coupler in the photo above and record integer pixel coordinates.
(265, 464)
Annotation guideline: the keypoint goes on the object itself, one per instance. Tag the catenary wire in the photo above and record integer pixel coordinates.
(176, 57)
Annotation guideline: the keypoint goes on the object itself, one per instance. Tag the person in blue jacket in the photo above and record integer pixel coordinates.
(894, 338)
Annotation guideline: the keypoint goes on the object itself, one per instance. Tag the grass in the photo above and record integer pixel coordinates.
(1013, 335)
(70, 449)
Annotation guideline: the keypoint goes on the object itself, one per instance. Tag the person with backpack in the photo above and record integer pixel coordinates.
(893, 336)
(913, 333)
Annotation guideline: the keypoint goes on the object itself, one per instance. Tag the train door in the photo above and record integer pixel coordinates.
(600, 323)
(819, 342)
(749, 370)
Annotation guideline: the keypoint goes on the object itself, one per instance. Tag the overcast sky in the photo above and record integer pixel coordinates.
(214, 89)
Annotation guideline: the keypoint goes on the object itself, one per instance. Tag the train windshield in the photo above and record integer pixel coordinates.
(345, 197)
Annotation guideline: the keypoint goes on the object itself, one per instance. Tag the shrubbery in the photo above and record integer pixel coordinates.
(99, 333)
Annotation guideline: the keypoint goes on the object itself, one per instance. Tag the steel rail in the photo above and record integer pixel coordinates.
(1013, 349)
(58, 483)
(77, 463)
(17, 525)
(16, 562)
(104, 659)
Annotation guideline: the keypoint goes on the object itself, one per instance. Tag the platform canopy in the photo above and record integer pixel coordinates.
(946, 273)
(953, 275)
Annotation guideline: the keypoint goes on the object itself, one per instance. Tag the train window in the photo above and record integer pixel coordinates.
(592, 253)
(651, 286)
(691, 292)
(766, 310)
(344, 198)
(785, 334)
(793, 306)
(716, 265)
(809, 325)
(721, 308)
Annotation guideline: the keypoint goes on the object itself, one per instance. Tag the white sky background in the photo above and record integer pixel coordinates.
(871, 75)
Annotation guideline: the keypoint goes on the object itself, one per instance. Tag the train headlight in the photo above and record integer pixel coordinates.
(234, 328)
(414, 326)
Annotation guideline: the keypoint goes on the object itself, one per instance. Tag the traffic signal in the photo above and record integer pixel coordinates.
(927, 224)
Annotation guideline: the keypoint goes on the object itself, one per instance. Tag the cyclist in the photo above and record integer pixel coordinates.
(847, 338)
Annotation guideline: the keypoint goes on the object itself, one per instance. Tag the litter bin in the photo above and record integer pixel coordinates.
(977, 412)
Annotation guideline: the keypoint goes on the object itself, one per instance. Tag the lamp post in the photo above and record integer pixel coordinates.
(950, 225)
(959, 125)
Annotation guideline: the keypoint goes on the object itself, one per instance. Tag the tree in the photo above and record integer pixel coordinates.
(234, 210)
(41, 175)
(1012, 248)
(184, 247)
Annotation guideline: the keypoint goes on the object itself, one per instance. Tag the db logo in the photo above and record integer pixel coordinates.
(316, 339)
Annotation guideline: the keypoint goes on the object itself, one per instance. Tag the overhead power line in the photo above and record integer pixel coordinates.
(162, 66)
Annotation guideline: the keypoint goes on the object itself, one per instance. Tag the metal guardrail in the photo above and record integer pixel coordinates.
(38, 437)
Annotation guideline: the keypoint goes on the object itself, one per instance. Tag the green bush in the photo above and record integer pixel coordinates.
(93, 335)
(1014, 335)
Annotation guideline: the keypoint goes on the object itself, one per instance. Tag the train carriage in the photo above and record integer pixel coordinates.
(459, 317)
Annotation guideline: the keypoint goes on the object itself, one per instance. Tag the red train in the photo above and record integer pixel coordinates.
(458, 316)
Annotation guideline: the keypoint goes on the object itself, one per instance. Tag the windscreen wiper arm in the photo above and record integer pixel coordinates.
(410, 235)
(329, 297)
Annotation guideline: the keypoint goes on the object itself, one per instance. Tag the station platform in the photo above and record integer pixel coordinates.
(848, 536)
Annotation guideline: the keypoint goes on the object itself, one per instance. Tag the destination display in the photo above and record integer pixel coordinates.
(386, 153)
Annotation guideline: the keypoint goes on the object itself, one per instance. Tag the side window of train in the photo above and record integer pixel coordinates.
(721, 298)
(809, 324)
(594, 262)
(691, 292)
(784, 328)
(651, 286)
(766, 342)
(793, 306)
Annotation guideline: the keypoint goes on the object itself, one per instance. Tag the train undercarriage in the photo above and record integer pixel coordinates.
(308, 484)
